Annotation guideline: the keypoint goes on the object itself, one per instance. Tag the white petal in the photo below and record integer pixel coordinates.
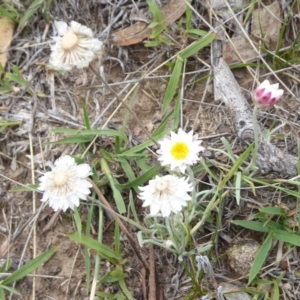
(84, 170)
(61, 27)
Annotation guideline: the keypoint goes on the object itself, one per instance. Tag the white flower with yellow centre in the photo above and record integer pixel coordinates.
(166, 194)
(74, 46)
(65, 184)
(180, 150)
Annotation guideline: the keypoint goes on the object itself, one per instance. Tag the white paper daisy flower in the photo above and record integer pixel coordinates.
(74, 46)
(166, 194)
(180, 150)
(65, 184)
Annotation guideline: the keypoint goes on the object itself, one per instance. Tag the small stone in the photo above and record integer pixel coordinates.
(241, 256)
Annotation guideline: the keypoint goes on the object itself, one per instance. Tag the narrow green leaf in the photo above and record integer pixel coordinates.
(173, 84)
(72, 140)
(276, 291)
(29, 267)
(153, 24)
(144, 145)
(34, 6)
(113, 182)
(77, 220)
(95, 245)
(142, 165)
(287, 237)
(203, 167)
(197, 46)
(28, 188)
(107, 155)
(9, 12)
(117, 239)
(125, 289)
(141, 179)
(163, 39)
(238, 183)
(176, 121)
(152, 44)
(235, 166)
(128, 171)
(91, 132)
(9, 289)
(162, 126)
(16, 79)
(229, 153)
(260, 257)
(86, 117)
(156, 32)
(155, 11)
(253, 225)
(197, 32)
(272, 210)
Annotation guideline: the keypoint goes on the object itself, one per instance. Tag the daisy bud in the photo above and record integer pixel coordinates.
(65, 184)
(266, 95)
(74, 46)
(166, 194)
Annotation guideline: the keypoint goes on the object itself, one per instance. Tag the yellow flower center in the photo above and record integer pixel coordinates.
(60, 178)
(69, 40)
(180, 150)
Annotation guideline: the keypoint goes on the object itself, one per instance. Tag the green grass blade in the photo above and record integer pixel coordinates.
(9, 12)
(235, 167)
(134, 150)
(91, 132)
(276, 292)
(117, 239)
(29, 267)
(173, 84)
(272, 210)
(86, 118)
(113, 183)
(28, 188)
(9, 289)
(260, 257)
(77, 220)
(34, 6)
(102, 249)
(253, 225)
(141, 179)
(287, 237)
(229, 153)
(128, 171)
(176, 121)
(155, 11)
(197, 32)
(125, 289)
(72, 140)
(162, 126)
(2, 293)
(197, 46)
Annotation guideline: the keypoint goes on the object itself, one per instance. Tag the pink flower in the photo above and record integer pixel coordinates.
(266, 95)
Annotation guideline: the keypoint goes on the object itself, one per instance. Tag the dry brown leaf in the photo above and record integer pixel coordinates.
(268, 21)
(242, 47)
(265, 19)
(139, 31)
(6, 34)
